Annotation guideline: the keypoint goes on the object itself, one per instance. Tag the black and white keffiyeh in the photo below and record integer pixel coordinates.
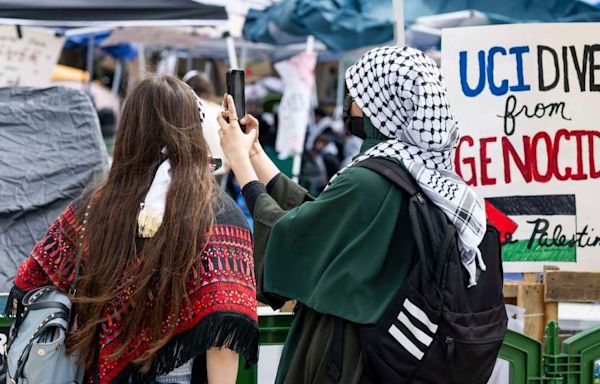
(402, 92)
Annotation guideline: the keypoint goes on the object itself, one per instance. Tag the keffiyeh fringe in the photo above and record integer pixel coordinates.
(471, 259)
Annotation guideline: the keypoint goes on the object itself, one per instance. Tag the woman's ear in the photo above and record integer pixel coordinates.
(355, 110)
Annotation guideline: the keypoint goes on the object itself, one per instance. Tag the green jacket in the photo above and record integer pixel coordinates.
(344, 254)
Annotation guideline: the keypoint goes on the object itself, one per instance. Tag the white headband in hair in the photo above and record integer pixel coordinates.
(189, 75)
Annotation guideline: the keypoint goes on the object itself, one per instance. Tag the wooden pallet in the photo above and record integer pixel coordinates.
(540, 294)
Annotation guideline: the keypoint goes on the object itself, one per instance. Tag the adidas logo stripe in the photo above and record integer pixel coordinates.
(405, 342)
(420, 335)
(408, 333)
(420, 315)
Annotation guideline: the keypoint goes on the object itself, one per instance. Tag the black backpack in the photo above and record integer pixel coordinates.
(436, 330)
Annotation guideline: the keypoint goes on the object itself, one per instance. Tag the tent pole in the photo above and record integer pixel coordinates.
(243, 57)
(90, 61)
(207, 68)
(399, 17)
(117, 77)
(296, 167)
(310, 44)
(141, 61)
(233, 62)
(314, 101)
(189, 63)
(339, 95)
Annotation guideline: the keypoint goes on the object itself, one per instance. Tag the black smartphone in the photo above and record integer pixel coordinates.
(236, 88)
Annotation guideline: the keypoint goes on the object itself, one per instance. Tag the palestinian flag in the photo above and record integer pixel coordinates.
(503, 223)
(546, 227)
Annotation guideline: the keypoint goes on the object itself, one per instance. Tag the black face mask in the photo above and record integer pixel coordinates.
(356, 126)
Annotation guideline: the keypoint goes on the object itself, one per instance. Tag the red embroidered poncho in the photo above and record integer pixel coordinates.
(222, 290)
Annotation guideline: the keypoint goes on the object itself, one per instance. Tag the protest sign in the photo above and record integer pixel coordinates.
(27, 59)
(298, 77)
(527, 101)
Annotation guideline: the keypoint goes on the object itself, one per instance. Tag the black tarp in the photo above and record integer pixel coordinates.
(50, 148)
(90, 12)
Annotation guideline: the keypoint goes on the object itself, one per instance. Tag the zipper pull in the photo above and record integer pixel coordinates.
(420, 198)
(450, 348)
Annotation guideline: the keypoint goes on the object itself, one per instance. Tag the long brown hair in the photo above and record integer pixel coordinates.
(160, 112)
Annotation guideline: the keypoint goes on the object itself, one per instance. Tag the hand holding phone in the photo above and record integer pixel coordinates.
(236, 88)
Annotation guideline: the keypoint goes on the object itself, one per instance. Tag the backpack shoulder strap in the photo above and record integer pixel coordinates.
(391, 171)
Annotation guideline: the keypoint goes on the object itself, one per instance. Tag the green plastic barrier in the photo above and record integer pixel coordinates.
(273, 331)
(525, 356)
(577, 363)
(583, 347)
(555, 363)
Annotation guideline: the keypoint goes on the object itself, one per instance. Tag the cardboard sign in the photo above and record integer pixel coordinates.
(27, 60)
(527, 101)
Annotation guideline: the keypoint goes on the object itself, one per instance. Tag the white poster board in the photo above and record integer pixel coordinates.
(28, 60)
(298, 76)
(527, 100)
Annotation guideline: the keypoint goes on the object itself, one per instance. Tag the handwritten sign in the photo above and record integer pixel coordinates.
(297, 74)
(527, 100)
(28, 60)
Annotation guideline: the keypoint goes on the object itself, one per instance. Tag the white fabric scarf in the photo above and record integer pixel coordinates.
(152, 209)
(401, 91)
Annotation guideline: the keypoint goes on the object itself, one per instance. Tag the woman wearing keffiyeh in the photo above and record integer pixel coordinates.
(345, 254)
(167, 285)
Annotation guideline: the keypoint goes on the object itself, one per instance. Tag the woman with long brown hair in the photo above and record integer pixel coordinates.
(167, 284)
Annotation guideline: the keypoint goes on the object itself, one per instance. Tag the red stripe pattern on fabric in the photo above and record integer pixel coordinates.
(222, 281)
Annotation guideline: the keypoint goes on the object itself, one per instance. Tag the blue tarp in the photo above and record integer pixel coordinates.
(347, 24)
(341, 25)
(507, 11)
(122, 51)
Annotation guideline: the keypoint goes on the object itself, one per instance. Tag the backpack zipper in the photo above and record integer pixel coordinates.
(449, 348)
(476, 342)
(420, 198)
(451, 341)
